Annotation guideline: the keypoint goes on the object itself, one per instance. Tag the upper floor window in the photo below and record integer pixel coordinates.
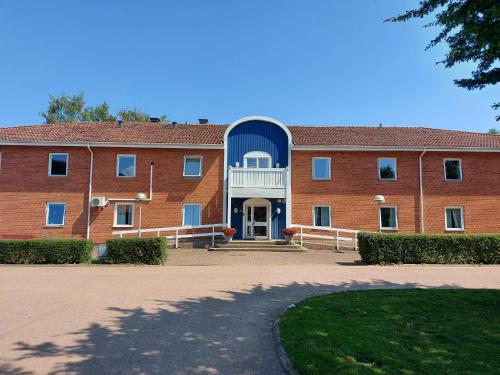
(387, 169)
(389, 217)
(257, 159)
(452, 169)
(454, 218)
(124, 215)
(191, 214)
(321, 216)
(321, 168)
(58, 164)
(55, 214)
(125, 165)
(192, 166)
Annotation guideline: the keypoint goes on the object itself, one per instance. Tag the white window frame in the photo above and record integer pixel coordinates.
(118, 156)
(257, 155)
(47, 205)
(459, 163)
(184, 210)
(200, 157)
(380, 218)
(329, 215)
(50, 164)
(329, 169)
(395, 169)
(461, 208)
(118, 204)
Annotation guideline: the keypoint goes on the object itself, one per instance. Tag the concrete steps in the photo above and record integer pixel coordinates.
(272, 246)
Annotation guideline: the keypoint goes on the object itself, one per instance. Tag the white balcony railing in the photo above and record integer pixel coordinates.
(258, 177)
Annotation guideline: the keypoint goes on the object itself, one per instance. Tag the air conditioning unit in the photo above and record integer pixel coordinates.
(98, 202)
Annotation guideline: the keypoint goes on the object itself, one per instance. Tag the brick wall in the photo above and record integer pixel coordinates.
(355, 182)
(26, 187)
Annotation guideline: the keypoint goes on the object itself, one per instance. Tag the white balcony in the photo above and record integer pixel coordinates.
(258, 182)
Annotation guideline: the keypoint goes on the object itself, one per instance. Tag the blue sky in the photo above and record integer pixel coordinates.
(301, 62)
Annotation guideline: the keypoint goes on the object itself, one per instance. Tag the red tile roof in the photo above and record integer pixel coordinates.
(335, 136)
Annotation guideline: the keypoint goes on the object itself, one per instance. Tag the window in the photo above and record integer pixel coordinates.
(257, 159)
(125, 166)
(321, 216)
(453, 169)
(192, 166)
(124, 215)
(58, 164)
(454, 218)
(55, 215)
(388, 218)
(387, 169)
(191, 214)
(321, 168)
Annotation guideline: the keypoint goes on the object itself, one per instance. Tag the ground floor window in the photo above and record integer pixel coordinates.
(124, 215)
(454, 218)
(55, 215)
(191, 214)
(388, 218)
(321, 216)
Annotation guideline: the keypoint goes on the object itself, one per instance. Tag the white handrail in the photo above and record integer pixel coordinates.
(212, 232)
(336, 237)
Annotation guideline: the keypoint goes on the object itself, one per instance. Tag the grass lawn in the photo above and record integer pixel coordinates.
(412, 331)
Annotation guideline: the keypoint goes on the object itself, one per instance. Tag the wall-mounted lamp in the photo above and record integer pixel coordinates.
(278, 210)
(235, 210)
(277, 165)
(237, 164)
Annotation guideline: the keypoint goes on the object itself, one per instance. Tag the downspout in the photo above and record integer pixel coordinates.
(90, 189)
(421, 177)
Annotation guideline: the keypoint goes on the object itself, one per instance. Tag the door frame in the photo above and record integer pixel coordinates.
(260, 202)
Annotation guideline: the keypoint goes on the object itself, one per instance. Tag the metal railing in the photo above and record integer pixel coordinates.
(353, 240)
(258, 177)
(158, 231)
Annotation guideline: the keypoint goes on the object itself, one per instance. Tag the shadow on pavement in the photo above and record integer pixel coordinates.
(209, 335)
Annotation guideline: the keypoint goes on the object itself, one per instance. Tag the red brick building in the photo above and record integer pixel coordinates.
(257, 175)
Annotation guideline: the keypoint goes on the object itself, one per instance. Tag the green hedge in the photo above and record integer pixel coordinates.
(152, 250)
(378, 248)
(48, 251)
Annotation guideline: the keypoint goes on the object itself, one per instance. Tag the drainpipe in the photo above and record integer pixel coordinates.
(421, 177)
(90, 189)
(148, 199)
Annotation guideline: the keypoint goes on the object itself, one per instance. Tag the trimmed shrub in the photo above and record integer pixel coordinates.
(380, 248)
(149, 250)
(45, 251)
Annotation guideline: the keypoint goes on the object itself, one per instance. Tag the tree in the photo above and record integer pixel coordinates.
(493, 131)
(66, 108)
(135, 115)
(472, 30)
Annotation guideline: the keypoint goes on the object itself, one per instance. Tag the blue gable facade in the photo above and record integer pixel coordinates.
(257, 135)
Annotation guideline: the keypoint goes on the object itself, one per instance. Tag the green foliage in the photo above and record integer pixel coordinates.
(66, 108)
(51, 251)
(135, 115)
(412, 331)
(146, 250)
(471, 28)
(380, 248)
(493, 131)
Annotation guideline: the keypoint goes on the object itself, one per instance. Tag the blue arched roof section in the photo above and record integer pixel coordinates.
(258, 134)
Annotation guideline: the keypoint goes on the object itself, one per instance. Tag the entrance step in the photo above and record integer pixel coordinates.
(273, 246)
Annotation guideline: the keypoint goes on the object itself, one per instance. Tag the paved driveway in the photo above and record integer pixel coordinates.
(175, 319)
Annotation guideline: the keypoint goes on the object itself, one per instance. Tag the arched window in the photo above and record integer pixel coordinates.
(257, 159)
